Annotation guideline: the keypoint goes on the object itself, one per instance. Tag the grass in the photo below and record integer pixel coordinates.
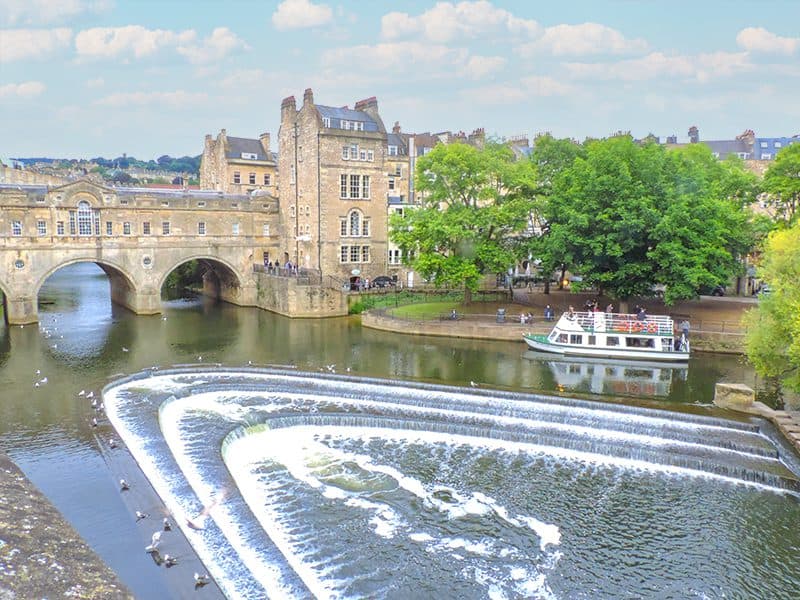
(403, 298)
(427, 310)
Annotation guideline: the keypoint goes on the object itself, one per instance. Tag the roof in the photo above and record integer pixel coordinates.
(337, 115)
(236, 146)
(396, 139)
(726, 147)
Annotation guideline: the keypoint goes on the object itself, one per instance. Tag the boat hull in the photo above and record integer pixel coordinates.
(543, 345)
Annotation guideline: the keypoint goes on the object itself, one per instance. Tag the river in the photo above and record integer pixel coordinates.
(83, 342)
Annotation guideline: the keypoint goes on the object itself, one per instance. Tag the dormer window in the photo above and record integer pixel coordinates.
(392, 150)
(326, 121)
(249, 156)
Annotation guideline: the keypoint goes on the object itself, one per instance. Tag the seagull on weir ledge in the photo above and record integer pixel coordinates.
(82, 393)
(200, 580)
(170, 561)
(90, 395)
(124, 349)
(154, 542)
(473, 384)
(167, 524)
(112, 443)
(94, 421)
(43, 380)
(123, 485)
(140, 515)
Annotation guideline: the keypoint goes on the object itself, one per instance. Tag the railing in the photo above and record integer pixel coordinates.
(603, 322)
(301, 276)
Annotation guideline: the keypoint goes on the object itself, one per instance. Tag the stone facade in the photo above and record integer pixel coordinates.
(235, 165)
(332, 166)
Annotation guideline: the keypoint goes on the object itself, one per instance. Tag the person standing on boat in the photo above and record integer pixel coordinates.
(571, 312)
(610, 308)
(685, 328)
(642, 314)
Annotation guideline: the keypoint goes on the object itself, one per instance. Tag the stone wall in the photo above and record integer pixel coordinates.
(25, 177)
(283, 295)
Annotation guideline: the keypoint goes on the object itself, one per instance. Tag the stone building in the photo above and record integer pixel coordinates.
(235, 165)
(334, 186)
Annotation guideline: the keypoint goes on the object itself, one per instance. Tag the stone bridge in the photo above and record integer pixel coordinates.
(137, 236)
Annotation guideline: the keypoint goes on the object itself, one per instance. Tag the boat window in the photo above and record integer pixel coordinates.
(562, 338)
(636, 342)
(575, 338)
(592, 340)
(612, 341)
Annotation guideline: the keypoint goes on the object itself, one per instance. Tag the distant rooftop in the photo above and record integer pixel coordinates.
(341, 117)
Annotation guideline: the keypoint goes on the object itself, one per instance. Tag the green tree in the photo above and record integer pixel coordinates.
(773, 329)
(550, 158)
(782, 184)
(631, 216)
(473, 202)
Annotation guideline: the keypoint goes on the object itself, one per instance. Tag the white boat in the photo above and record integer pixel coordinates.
(612, 335)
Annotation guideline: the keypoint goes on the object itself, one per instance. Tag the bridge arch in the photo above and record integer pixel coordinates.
(221, 279)
(112, 269)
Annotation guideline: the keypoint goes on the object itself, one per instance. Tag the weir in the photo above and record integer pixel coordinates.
(323, 475)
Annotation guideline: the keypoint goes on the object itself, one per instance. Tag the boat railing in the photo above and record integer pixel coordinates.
(603, 322)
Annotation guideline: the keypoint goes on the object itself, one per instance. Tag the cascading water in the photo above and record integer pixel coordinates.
(330, 486)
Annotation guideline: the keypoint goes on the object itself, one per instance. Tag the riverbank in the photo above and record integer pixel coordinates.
(41, 555)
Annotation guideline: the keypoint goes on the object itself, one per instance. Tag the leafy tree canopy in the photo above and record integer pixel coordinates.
(473, 201)
(629, 216)
(782, 184)
(773, 329)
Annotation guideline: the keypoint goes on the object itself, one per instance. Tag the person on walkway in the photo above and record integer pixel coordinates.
(685, 328)
(610, 308)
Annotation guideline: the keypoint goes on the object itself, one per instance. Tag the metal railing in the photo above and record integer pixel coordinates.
(301, 276)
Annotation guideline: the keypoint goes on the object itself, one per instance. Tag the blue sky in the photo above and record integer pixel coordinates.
(83, 78)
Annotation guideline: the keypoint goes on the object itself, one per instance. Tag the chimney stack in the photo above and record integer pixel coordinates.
(396, 128)
(264, 139)
(694, 134)
(308, 97)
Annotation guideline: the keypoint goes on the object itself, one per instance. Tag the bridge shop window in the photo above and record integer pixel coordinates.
(201, 228)
(365, 254)
(59, 227)
(126, 228)
(237, 177)
(266, 178)
(265, 230)
(344, 253)
(16, 227)
(85, 218)
(41, 227)
(355, 253)
(109, 228)
(252, 178)
(235, 229)
(146, 228)
(165, 227)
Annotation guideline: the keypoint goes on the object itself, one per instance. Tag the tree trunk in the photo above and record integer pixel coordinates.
(563, 275)
(547, 285)
(467, 295)
(624, 307)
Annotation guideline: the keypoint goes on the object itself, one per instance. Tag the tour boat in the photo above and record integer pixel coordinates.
(612, 335)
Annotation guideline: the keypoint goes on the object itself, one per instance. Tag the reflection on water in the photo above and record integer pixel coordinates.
(83, 341)
(612, 377)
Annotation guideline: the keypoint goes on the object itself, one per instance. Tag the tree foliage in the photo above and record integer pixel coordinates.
(782, 184)
(473, 201)
(629, 216)
(773, 329)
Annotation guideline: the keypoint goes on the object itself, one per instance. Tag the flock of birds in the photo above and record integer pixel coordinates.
(168, 560)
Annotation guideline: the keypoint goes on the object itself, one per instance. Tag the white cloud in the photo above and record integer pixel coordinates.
(758, 39)
(37, 12)
(218, 45)
(298, 14)
(111, 42)
(526, 88)
(447, 21)
(95, 83)
(583, 39)
(176, 99)
(19, 44)
(399, 57)
(657, 65)
(28, 89)
(478, 67)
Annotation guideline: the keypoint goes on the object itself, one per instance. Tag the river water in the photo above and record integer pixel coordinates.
(337, 484)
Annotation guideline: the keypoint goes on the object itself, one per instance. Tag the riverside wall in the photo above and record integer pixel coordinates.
(41, 555)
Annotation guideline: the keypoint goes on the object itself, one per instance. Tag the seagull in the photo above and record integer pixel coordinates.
(123, 485)
(154, 542)
(167, 524)
(90, 395)
(473, 384)
(331, 368)
(36, 384)
(199, 358)
(94, 421)
(94, 403)
(140, 515)
(163, 318)
(43, 380)
(82, 393)
(200, 580)
(38, 372)
(124, 349)
(170, 561)
(112, 443)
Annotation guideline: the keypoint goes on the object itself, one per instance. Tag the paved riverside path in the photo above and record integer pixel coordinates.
(41, 555)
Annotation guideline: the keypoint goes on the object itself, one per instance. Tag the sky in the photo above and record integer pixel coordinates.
(87, 78)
